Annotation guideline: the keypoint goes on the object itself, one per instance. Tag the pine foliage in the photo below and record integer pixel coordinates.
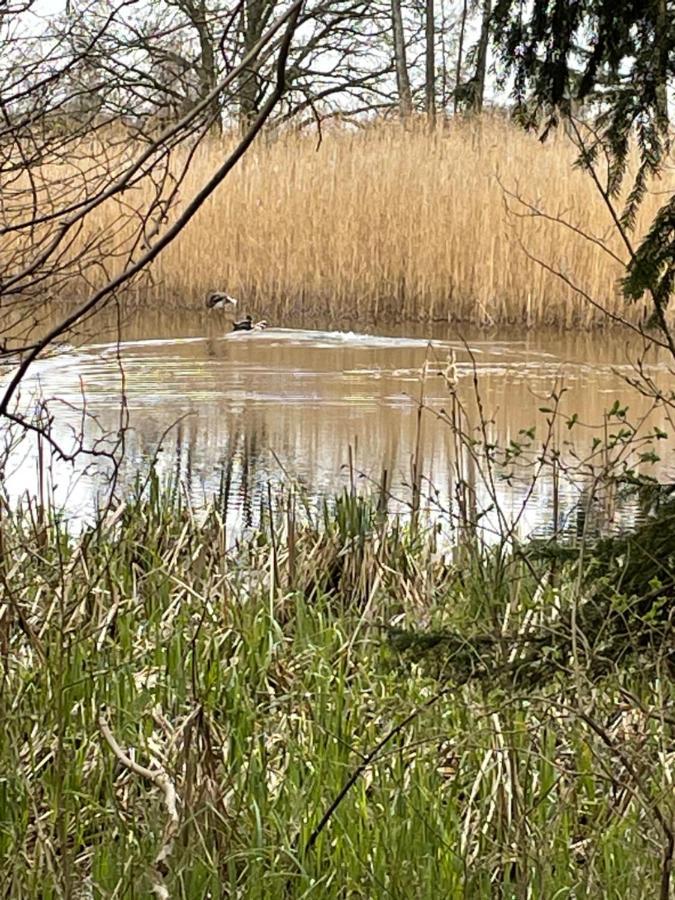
(619, 55)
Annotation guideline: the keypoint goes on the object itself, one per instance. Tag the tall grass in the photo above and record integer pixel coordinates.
(402, 225)
(386, 223)
(178, 716)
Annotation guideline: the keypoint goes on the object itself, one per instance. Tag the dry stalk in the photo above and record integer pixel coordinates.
(157, 776)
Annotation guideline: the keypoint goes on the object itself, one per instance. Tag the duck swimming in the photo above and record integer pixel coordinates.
(248, 324)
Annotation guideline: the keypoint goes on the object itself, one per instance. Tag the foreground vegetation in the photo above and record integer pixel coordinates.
(328, 708)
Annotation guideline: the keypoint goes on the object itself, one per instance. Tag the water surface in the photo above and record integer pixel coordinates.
(319, 407)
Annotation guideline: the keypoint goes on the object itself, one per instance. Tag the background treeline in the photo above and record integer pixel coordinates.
(150, 63)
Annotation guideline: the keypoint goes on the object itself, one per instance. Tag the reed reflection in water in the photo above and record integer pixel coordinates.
(317, 408)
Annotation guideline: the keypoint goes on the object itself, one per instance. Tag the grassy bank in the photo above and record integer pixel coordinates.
(180, 715)
(381, 224)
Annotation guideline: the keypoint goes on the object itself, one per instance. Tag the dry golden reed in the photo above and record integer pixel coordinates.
(387, 223)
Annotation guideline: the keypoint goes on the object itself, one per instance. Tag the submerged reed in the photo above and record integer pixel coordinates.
(178, 715)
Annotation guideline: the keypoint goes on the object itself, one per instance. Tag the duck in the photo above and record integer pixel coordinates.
(248, 324)
(219, 300)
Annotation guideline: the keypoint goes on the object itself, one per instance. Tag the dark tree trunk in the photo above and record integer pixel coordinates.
(206, 68)
(661, 79)
(460, 54)
(481, 59)
(430, 67)
(255, 16)
(400, 61)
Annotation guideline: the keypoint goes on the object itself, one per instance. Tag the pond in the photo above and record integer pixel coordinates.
(322, 408)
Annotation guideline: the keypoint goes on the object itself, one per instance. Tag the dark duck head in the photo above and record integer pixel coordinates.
(219, 300)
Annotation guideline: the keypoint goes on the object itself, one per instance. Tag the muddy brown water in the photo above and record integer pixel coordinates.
(321, 407)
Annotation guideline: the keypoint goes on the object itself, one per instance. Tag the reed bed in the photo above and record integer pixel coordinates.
(390, 224)
(380, 224)
(180, 716)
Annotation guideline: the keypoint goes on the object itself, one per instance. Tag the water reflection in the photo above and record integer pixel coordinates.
(301, 404)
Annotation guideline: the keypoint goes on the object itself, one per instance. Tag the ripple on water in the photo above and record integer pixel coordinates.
(304, 397)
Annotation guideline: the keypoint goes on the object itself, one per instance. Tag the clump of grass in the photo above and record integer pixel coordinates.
(178, 714)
